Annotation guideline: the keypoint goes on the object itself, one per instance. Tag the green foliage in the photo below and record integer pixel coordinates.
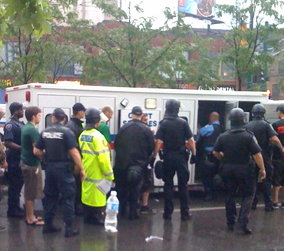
(250, 41)
(177, 64)
(32, 16)
(39, 60)
(130, 52)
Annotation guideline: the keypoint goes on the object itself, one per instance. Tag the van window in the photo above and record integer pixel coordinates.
(48, 120)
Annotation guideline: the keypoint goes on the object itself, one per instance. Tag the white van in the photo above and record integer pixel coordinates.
(196, 105)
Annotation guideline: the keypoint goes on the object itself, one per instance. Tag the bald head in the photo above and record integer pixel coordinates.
(108, 111)
(214, 116)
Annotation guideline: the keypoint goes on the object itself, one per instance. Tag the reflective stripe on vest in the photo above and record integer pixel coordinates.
(108, 174)
(93, 181)
(92, 150)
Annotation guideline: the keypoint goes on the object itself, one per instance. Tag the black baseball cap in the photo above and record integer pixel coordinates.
(59, 114)
(137, 110)
(15, 106)
(280, 108)
(78, 107)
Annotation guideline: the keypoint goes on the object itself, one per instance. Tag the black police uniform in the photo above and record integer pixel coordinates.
(278, 158)
(173, 131)
(207, 163)
(57, 140)
(12, 132)
(263, 131)
(238, 145)
(133, 145)
(75, 125)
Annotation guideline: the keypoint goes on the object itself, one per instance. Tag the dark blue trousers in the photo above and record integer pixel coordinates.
(176, 162)
(59, 179)
(15, 181)
(239, 178)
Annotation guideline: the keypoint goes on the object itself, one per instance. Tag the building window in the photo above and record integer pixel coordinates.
(227, 71)
(281, 67)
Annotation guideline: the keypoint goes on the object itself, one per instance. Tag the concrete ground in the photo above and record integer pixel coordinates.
(205, 231)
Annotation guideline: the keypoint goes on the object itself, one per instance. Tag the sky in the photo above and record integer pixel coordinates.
(154, 8)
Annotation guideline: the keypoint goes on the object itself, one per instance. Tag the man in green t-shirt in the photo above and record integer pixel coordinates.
(106, 115)
(30, 165)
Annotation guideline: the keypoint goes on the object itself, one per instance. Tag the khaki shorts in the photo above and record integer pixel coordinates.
(33, 182)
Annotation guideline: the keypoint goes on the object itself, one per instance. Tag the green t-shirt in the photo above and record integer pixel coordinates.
(104, 130)
(29, 135)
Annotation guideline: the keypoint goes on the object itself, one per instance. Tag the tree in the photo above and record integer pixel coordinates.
(39, 60)
(250, 40)
(178, 68)
(33, 16)
(130, 52)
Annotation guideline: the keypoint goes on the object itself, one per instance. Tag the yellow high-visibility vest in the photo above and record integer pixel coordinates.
(97, 165)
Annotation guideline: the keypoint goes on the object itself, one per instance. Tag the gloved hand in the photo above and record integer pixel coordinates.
(192, 159)
(152, 161)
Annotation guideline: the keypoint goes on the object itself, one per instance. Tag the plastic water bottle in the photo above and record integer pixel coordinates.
(111, 213)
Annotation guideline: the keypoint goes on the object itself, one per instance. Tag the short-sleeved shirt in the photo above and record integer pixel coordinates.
(278, 126)
(12, 132)
(263, 131)
(237, 145)
(173, 133)
(29, 136)
(104, 130)
(209, 135)
(57, 140)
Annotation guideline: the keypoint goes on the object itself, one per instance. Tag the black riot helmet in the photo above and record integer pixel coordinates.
(172, 104)
(258, 110)
(92, 116)
(237, 117)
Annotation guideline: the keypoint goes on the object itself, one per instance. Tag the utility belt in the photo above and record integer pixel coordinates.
(182, 150)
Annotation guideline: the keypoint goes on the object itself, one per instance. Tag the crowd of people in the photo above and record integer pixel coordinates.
(78, 171)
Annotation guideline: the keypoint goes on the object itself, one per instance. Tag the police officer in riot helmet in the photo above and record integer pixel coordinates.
(173, 131)
(235, 147)
(97, 165)
(266, 136)
(133, 146)
(59, 142)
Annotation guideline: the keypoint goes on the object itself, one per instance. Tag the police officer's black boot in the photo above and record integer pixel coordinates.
(14, 212)
(70, 231)
(49, 227)
(243, 229)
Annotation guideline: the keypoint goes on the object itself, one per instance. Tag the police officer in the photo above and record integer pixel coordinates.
(265, 135)
(206, 162)
(235, 147)
(75, 124)
(133, 145)
(173, 131)
(96, 162)
(59, 142)
(12, 138)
